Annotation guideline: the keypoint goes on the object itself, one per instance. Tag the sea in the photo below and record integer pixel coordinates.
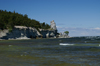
(74, 51)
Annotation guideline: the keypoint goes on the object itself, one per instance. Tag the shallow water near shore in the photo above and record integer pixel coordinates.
(49, 52)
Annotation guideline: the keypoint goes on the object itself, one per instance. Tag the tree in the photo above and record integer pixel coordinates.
(44, 25)
(26, 16)
(10, 19)
(47, 26)
(66, 32)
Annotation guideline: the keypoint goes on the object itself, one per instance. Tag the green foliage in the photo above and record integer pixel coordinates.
(10, 19)
(44, 26)
(67, 32)
(10, 30)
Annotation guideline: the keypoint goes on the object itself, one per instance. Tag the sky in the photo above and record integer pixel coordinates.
(79, 17)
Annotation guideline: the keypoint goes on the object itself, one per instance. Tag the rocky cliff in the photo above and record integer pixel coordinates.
(19, 32)
(23, 32)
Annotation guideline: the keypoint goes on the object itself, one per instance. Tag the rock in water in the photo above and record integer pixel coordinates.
(53, 25)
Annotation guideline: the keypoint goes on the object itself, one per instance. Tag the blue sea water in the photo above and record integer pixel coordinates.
(76, 51)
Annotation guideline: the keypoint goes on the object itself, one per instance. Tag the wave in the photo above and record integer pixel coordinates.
(92, 45)
(65, 44)
(99, 44)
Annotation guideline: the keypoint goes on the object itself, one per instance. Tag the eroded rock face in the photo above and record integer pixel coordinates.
(20, 32)
(53, 25)
(63, 35)
(23, 32)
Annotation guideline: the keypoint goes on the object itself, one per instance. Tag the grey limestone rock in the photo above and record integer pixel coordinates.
(53, 25)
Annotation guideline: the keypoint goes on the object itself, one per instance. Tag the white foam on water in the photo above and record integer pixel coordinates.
(10, 45)
(99, 44)
(65, 44)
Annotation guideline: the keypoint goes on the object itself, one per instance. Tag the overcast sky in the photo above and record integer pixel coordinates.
(79, 17)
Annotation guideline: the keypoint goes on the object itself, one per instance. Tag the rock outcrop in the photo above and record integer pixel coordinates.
(20, 32)
(53, 25)
(3, 32)
(23, 32)
(63, 35)
(47, 33)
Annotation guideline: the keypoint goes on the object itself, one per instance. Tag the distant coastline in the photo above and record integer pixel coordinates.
(18, 26)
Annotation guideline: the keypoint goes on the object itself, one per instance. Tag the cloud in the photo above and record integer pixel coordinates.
(97, 28)
(80, 31)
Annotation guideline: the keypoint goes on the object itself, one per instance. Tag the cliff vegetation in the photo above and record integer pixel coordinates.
(9, 19)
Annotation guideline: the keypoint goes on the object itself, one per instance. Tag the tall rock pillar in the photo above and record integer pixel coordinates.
(53, 27)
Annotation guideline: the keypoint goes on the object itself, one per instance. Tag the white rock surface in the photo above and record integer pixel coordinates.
(53, 25)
